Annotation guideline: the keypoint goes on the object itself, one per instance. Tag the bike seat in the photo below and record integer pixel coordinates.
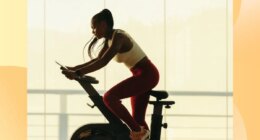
(159, 94)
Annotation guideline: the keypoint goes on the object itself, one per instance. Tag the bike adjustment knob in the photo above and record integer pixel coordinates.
(165, 125)
(92, 106)
(167, 106)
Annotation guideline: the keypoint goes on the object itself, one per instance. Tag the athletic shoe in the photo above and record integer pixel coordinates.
(140, 135)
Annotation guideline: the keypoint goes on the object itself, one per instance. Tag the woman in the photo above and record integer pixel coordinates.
(120, 46)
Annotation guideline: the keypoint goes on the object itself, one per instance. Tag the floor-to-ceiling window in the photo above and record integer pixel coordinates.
(188, 40)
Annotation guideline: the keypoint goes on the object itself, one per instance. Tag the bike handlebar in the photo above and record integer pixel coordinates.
(86, 78)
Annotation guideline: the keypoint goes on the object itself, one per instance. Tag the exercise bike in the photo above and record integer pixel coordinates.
(115, 129)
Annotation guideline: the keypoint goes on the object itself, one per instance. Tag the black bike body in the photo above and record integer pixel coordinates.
(115, 129)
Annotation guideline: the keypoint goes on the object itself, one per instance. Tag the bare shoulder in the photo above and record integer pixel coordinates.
(123, 39)
(120, 36)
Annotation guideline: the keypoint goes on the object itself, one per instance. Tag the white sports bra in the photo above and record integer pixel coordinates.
(131, 57)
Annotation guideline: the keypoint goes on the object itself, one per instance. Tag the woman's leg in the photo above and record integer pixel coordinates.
(139, 102)
(130, 87)
(144, 78)
(139, 105)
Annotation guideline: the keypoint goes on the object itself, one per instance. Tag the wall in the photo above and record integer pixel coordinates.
(13, 71)
(246, 69)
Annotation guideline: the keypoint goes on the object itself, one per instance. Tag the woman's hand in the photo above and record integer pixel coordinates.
(70, 74)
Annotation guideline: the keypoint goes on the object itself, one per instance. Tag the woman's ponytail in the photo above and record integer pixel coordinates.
(104, 15)
(91, 47)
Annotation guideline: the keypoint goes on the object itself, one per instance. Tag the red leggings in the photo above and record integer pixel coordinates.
(145, 77)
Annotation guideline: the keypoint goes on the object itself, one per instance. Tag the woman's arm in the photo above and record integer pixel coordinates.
(81, 65)
(106, 54)
(91, 61)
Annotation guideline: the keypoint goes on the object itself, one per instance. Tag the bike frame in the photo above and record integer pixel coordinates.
(115, 124)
